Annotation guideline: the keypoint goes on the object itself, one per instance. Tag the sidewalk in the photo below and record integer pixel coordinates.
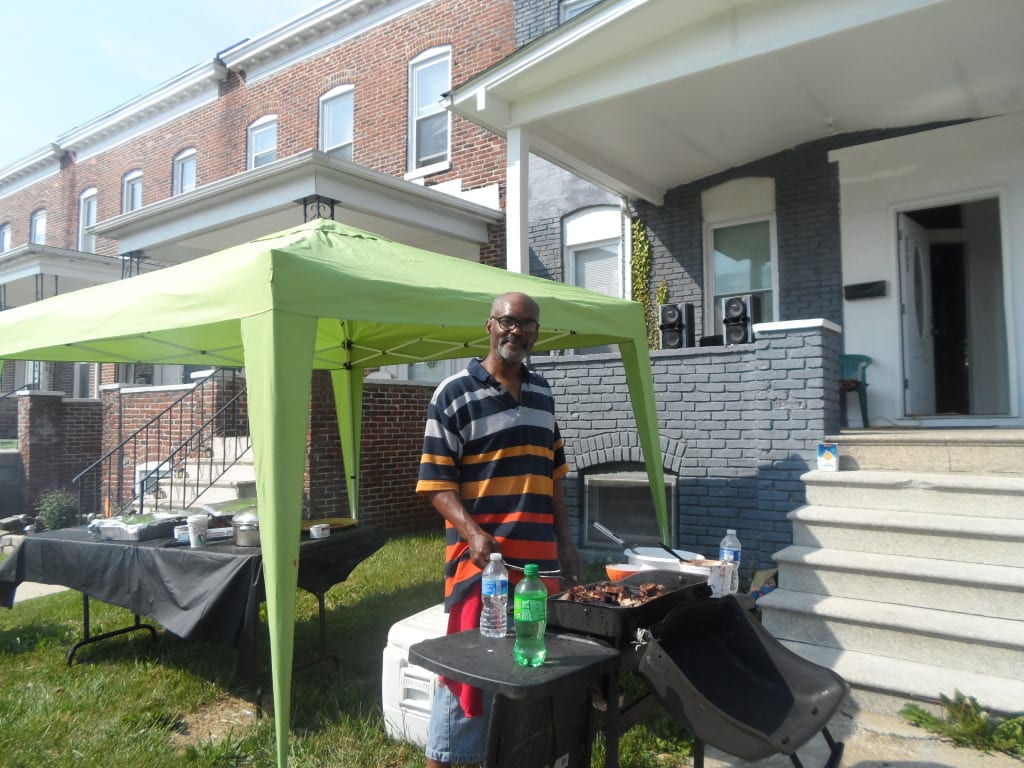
(29, 589)
(876, 741)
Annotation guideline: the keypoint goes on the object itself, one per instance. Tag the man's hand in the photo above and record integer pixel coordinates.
(571, 564)
(480, 543)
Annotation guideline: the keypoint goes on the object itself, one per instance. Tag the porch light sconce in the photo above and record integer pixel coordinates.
(317, 207)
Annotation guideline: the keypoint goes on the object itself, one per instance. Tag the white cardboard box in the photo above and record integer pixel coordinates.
(407, 690)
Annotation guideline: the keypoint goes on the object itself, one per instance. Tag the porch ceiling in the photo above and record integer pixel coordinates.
(268, 199)
(641, 96)
(32, 272)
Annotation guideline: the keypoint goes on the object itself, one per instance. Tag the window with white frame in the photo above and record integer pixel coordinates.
(337, 112)
(569, 8)
(743, 264)
(86, 218)
(262, 141)
(131, 191)
(37, 227)
(429, 122)
(740, 247)
(5, 237)
(184, 178)
(593, 250)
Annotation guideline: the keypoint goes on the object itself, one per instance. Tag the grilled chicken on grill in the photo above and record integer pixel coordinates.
(609, 593)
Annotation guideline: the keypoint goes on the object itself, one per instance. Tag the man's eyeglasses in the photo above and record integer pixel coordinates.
(507, 323)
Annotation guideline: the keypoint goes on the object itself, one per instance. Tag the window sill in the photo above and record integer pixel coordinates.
(428, 170)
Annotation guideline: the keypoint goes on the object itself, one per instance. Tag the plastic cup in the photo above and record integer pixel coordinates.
(197, 529)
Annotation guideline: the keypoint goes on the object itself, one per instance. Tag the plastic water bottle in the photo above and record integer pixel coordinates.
(530, 611)
(494, 590)
(729, 551)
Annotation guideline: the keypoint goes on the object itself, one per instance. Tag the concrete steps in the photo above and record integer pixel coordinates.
(971, 588)
(993, 541)
(947, 493)
(901, 632)
(883, 684)
(906, 572)
(237, 481)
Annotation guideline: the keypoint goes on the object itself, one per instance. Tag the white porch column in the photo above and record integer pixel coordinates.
(517, 178)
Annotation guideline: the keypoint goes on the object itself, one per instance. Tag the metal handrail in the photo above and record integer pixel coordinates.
(161, 453)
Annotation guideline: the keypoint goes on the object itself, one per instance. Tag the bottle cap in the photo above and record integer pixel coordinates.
(495, 555)
(532, 569)
(731, 530)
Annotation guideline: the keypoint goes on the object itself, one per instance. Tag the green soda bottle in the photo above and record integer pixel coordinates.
(530, 612)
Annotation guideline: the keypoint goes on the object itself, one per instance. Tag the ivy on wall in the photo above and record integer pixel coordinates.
(640, 270)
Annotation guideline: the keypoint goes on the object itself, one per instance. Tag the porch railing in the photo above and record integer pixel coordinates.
(175, 457)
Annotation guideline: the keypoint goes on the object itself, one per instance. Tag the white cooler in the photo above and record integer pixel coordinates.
(407, 690)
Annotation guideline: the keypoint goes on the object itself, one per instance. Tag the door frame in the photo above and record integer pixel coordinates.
(998, 193)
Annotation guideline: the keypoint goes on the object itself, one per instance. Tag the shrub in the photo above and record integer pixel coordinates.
(57, 509)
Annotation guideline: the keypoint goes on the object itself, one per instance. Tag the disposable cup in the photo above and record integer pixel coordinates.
(197, 529)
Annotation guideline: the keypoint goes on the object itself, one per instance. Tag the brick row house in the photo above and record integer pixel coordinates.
(849, 172)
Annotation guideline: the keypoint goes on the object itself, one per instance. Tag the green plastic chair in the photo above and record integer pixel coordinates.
(853, 377)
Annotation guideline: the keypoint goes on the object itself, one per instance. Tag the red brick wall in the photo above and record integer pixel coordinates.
(58, 439)
(392, 439)
(393, 419)
(480, 33)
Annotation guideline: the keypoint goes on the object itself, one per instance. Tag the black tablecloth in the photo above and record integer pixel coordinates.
(209, 593)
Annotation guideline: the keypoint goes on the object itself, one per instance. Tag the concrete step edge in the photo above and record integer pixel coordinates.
(1010, 528)
(985, 438)
(950, 482)
(1000, 577)
(987, 630)
(914, 680)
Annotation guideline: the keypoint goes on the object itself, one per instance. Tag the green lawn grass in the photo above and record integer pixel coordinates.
(125, 700)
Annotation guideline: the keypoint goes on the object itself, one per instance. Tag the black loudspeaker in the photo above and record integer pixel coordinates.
(675, 326)
(739, 313)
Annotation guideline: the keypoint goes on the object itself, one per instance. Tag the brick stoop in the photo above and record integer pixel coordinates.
(906, 572)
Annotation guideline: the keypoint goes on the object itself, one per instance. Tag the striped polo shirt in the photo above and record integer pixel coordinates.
(501, 457)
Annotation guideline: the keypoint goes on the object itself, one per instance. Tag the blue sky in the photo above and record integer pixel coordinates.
(68, 61)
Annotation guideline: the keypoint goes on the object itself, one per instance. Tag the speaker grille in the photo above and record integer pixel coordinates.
(735, 308)
(669, 315)
(670, 338)
(736, 333)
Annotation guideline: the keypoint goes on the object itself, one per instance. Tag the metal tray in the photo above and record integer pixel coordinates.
(618, 625)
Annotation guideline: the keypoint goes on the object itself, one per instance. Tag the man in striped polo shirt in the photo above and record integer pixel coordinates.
(492, 465)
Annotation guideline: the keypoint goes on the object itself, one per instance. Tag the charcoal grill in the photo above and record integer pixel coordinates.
(617, 625)
(705, 660)
(713, 668)
(734, 686)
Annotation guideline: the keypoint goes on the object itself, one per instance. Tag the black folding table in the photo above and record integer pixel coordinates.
(210, 593)
(532, 723)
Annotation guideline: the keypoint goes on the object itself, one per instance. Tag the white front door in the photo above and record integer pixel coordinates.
(917, 325)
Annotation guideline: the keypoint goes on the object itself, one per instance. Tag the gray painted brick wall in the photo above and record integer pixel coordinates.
(533, 18)
(738, 426)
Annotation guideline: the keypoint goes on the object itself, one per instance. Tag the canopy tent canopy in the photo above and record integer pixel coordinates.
(319, 296)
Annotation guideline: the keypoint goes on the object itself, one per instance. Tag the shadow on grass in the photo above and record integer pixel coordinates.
(29, 638)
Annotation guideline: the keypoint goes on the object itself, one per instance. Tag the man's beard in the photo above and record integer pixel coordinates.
(512, 352)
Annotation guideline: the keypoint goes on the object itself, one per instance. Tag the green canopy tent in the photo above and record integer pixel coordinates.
(324, 296)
